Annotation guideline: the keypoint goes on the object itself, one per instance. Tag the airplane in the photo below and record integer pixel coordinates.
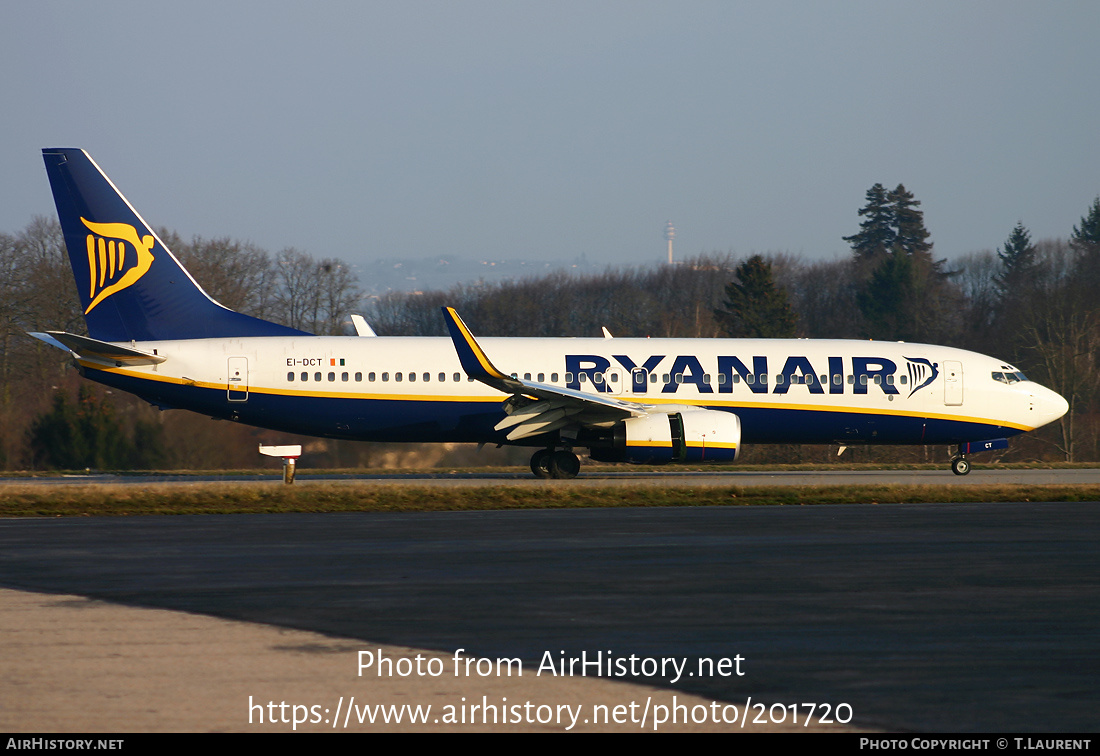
(154, 332)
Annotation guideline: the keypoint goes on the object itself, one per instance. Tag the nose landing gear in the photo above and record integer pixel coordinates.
(547, 463)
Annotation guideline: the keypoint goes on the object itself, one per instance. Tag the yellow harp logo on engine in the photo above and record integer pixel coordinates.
(117, 258)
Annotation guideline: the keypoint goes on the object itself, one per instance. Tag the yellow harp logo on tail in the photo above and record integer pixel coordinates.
(117, 258)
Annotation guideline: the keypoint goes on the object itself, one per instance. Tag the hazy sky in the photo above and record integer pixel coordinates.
(550, 130)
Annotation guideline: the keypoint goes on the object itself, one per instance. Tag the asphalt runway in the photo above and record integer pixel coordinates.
(666, 478)
(951, 617)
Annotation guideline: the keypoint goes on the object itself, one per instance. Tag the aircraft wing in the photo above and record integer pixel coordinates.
(535, 408)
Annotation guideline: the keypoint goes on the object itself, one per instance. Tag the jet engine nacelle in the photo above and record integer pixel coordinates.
(688, 436)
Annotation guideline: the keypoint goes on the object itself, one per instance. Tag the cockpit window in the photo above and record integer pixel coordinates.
(1000, 377)
(1009, 377)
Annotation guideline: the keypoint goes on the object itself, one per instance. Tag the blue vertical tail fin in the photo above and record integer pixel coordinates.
(132, 288)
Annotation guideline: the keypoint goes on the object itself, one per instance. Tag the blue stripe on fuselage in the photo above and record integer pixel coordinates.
(458, 420)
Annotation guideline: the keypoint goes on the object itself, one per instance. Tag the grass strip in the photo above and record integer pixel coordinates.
(370, 496)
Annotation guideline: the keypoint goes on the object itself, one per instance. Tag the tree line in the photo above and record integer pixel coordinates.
(1029, 303)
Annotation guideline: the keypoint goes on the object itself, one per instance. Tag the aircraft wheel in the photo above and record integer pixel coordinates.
(960, 466)
(540, 463)
(564, 464)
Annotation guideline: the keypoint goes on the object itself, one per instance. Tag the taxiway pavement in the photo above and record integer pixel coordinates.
(952, 617)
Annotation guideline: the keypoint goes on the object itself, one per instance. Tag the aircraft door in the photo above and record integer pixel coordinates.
(952, 383)
(237, 388)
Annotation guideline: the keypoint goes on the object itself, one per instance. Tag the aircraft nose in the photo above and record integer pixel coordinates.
(1048, 405)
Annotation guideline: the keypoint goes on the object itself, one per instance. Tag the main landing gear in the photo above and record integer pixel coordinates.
(547, 463)
(960, 465)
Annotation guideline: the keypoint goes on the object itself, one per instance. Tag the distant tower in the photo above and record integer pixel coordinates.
(670, 234)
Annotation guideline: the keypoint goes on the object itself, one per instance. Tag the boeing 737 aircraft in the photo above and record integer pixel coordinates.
(154, 332)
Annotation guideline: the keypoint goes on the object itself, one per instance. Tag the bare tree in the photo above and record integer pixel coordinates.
(238, 275)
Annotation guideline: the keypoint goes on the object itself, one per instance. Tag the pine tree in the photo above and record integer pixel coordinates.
(884, 300)
(1018, 263)
(1085, 242)
(755, 307)
(902, 291)
(1089, 232)
(893, 225)
(876, 233)
(911, 237)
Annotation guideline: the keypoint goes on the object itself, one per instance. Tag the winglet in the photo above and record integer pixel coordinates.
(362, 328)
(473, 358)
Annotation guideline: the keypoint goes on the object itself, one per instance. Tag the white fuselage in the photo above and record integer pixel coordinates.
(414, 388)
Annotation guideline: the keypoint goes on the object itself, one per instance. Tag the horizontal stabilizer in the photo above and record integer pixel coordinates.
(100, 351)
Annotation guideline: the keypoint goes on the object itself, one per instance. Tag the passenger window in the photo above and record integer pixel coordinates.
(442, 377)
(305, 376)
(568, 377)
(290, 376)
(652, 377)
(863, 380)
(878, 380)
(458, 377)
(763, 378)
(721, 379)
(526, 376)
(852, 379)
(664, 378)
(316, 376)
(750, 379)
(344, 377)
(332, 376)
(903, 379)
(737, 378)
(427, 377)
(385, 377)
(838, 379)
(706, 378)
(779, 379)
(679, 377)
(889, 380)
(412, 377)
(542, 377)
(582, 377)
(397, 377)
(614, 377)
(553, 377)
(358, 377)
(370, 377)
(597, 378)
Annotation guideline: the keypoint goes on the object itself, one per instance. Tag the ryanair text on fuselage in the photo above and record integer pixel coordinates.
(729, 370)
